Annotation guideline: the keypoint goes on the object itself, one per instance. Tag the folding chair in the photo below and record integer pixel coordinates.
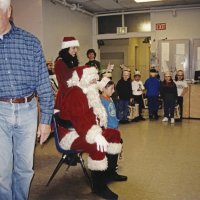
(133, 111)
(177, 112)
(68, 156)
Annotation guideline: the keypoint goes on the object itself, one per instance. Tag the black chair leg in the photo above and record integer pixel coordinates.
(62, 160)
(85, 171)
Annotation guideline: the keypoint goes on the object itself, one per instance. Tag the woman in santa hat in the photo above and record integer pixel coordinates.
(64, 64)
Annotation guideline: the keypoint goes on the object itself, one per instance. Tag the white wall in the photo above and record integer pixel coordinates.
(28, 15)
(60, 21)
(183, 25)
(118, 46)
(50, 23)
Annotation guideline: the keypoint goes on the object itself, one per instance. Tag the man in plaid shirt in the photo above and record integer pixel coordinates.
(23, 74)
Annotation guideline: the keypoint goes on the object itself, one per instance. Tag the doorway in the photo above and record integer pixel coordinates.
(132, 52)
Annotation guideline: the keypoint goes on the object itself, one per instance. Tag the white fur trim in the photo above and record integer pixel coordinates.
(94, 102)
(99, 165)
(114, 148)
(92, 133)
(68, 139)
(91, 92)
(72, 43)
(74, 80)
(89, 74)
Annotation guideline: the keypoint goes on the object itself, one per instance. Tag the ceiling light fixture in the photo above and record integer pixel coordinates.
(145, 1)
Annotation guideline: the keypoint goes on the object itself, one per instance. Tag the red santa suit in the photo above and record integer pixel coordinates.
(82, 106)
(63, 72)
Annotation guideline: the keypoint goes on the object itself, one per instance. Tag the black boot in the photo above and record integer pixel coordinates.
(100, 187)
(111, 172)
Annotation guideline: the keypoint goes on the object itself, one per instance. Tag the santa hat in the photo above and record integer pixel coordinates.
(82, 76)
(70, 42)
(102, 84)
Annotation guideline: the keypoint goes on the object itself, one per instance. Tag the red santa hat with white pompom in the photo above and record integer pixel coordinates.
(69, 42)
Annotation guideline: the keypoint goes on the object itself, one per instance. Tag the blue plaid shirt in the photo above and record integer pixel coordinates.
(23, 70)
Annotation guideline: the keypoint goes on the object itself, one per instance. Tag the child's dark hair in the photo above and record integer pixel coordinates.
(91, 51)
(109, 84)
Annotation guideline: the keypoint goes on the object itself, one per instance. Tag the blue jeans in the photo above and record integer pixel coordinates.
(18, 125)
(180, 103)
(123, 109)
(169, 108)
(153, 105)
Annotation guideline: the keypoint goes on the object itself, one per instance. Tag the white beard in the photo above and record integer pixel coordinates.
(94, 102)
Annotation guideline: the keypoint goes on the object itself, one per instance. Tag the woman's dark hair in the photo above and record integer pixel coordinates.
(68, 59)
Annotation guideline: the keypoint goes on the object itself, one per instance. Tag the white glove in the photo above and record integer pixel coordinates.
(101, 142)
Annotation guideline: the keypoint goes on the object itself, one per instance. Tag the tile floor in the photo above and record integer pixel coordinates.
(162, 162)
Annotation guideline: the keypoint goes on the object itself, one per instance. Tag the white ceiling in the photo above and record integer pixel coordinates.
(112, 6)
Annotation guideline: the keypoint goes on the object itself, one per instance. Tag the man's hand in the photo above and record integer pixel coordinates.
(43, 132)
(101, 142)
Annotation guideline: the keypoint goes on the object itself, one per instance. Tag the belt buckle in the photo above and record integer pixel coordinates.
(26, 99)
(11, 101)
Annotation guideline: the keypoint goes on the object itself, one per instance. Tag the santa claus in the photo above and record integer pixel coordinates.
(82, 106)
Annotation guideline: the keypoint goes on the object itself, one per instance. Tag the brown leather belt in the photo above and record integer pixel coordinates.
(18, 100)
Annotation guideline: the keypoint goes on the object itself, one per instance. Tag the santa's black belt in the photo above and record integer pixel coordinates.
(18, 100)
(64, 123)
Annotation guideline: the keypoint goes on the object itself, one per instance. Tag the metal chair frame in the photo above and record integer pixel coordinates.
(66, 153)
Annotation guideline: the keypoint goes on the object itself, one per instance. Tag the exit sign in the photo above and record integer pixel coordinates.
(161, 26)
